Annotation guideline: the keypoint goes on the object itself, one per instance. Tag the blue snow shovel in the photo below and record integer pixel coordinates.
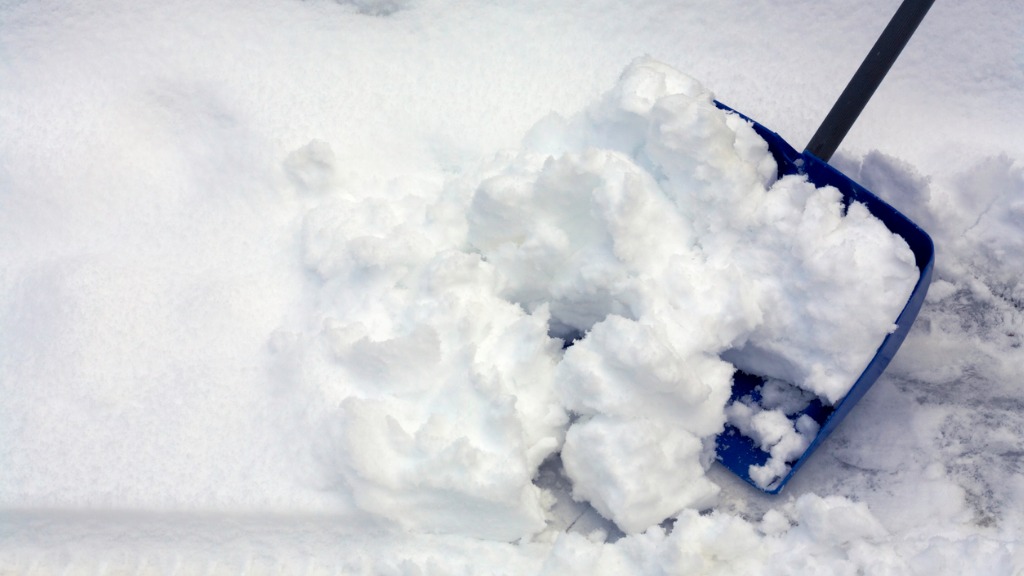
(736, 451)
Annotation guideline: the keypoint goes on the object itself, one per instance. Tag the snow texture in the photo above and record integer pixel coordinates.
(284, 288)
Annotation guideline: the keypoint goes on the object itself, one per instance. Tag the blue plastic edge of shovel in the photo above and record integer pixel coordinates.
(735, 451)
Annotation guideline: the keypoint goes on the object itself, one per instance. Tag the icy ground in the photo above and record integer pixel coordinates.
(218, 353)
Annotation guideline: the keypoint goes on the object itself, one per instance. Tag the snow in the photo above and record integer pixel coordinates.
(271, 301)
(659, 207)
(782, 434)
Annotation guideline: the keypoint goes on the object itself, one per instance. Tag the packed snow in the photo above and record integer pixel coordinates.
(418, 287)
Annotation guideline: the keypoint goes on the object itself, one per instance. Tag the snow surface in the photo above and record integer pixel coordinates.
(223, 230)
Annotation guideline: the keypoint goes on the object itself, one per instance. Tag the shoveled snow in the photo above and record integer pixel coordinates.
(257, 312)
(653, 227)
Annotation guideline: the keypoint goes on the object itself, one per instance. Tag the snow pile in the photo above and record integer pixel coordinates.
(652, 236)
(654, 224)
(439, 398)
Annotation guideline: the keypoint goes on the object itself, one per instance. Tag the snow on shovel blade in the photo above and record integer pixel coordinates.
(738, 452)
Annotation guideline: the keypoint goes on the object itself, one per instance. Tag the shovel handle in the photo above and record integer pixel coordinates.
(867, 78)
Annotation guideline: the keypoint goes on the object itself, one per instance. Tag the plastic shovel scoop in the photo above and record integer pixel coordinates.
(738, 452)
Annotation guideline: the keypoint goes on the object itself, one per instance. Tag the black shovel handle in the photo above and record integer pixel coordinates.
(867, 78)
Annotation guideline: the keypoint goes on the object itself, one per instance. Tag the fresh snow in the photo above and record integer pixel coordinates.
(284, 287)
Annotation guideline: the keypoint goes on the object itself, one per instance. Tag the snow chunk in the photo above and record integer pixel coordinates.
(783, 438)
(830, 284)
(628, 369)
(636, 472)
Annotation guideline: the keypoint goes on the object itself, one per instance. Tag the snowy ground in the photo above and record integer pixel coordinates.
(184, 188)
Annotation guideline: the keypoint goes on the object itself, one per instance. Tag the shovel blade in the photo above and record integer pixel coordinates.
(739, 453)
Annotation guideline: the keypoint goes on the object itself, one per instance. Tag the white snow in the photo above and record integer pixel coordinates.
(283, 287)
(659, 207)
(653, 225)
(773, 431)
